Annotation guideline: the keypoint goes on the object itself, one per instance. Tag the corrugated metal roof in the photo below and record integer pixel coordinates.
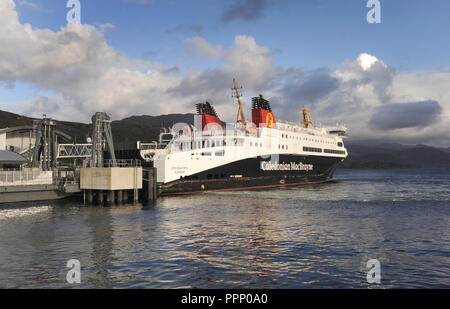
(11, 157)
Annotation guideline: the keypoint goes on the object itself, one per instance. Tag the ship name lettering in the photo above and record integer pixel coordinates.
(292, 166)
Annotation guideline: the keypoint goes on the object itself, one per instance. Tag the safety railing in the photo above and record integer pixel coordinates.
(122, 163)
(25, 177)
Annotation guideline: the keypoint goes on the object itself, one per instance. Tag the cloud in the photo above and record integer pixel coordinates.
(186, 28)
(105, 27)
(43, 105)
(172, 70)
(88, 75)
(77, 63)
(308, 87)
(252, 63)
(301, 87)
(199, 48)
(405, 115)
(149, 54)
(246, 10)
(30, 5)
(367, 101)
(248, 62)
(367, 70)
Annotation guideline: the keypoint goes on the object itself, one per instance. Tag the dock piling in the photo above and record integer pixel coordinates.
(119, 196)
(110, 197)
(149, 188)
(100, 197)
(90, 196)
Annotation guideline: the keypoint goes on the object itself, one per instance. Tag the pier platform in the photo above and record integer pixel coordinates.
(112, 183)
(29, 193)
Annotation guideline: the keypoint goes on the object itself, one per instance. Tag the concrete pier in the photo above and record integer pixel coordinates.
(108, 180)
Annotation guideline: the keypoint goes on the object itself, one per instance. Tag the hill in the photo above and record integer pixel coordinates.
(395, 156)
(144, 128)
(125, 132)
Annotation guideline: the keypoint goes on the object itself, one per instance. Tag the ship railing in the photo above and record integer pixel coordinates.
(122, 163)
(26, 177)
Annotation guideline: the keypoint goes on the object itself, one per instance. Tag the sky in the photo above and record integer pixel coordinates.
(386, 81)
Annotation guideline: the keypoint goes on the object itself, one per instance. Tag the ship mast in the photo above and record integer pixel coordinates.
(240, 111)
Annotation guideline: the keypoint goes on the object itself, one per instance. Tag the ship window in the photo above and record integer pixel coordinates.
(342, 152)
(260, 144)
(220, 153)
(312, 149)
(206, 153)
(166, 137)
(340, 144)
(282, 147)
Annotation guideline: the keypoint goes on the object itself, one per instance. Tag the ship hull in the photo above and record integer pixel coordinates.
(256, 173)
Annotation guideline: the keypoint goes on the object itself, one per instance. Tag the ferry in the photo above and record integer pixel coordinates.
(262, 153)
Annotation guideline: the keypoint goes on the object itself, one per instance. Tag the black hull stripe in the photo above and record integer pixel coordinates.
(246, 188)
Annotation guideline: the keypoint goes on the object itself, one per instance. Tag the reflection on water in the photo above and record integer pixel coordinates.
(11, 214)
(317, 236)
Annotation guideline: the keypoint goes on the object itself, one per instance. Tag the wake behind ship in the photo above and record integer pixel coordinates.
(263, 153)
